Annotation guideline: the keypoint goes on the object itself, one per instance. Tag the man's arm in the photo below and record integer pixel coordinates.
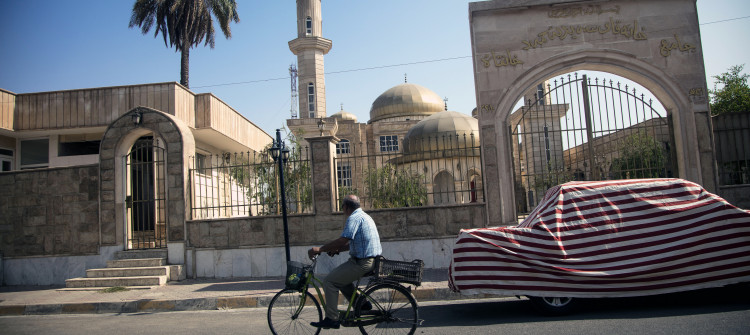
(333, 247)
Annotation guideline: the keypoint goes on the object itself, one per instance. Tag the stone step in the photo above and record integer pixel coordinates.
(133, 263)
(130, 272)
(135, 254)
(116, 281)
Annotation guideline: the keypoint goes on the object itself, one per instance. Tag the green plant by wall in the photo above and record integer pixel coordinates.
(641, 156)
(388, 187)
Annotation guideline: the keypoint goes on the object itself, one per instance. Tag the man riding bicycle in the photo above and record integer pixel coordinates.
(361, 238)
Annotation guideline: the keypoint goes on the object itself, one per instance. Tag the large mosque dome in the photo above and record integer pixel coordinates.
(406, 100)
(443, 130)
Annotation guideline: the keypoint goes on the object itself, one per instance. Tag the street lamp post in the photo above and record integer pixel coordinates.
(280, 154)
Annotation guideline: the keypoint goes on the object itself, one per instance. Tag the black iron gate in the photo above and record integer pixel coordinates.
(576, 129)
(146, 195)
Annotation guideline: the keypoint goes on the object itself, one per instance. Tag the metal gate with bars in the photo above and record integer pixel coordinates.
(576, 129)
(146, 195)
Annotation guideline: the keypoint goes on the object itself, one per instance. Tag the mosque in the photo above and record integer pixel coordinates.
(409, 126)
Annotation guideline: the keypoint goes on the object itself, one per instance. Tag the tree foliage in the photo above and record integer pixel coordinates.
(389, 187)
(297, 182)
(184, 24)
(734, 93)
(641, 156)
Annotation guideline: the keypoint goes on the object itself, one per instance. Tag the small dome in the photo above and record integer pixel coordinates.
(344, 115)
(444, 130)
(406, 100)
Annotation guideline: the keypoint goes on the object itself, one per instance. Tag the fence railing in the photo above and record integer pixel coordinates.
(246, 184)
(732, 140)
(433, 170)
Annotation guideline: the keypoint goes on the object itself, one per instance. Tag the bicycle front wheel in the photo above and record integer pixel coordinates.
(393, 308)
(291, 311)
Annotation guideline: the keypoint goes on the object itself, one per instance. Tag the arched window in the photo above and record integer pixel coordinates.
(308, 26)
(311, 99)
(475, 187)
(443, 189)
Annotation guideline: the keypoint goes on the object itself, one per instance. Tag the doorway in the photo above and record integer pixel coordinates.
(145, 197)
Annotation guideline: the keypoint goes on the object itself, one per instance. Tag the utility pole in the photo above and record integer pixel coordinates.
(293, 75)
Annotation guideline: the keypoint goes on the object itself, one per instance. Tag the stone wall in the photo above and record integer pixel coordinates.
(50, 212)
(393, 224)
(738, 195)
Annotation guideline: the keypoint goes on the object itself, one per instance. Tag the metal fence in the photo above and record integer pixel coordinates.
(732, 140)
(246, 184)
(584, 129)
(391, 173)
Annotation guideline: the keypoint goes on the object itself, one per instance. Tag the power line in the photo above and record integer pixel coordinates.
(397, 65)
(410, 63)
(727, 20)
(342, 71)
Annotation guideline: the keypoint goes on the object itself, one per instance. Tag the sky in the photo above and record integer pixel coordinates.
(50, 45)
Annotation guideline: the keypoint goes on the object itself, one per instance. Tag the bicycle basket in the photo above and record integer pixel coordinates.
(296, 275)
(403, 272)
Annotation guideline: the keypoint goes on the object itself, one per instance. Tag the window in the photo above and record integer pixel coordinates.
(342, 147)
(6, 165)
(308, 26)
(78, 148)
(311, 99)
(546, 143)
(443, 189)
(344, 175)
(79, 144)
(200, 162)
(6, 160)
(475, 185)
(540, 94)
(388, 143)
(34, 153)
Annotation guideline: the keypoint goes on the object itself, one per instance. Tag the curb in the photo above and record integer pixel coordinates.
(174, 305)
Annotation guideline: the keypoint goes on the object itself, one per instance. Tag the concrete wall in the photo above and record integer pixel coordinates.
(270, 261)
(50, 212)
(254, 247)
(393, 224)
(53, 270)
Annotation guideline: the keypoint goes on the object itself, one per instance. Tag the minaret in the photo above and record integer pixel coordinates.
(310, 46)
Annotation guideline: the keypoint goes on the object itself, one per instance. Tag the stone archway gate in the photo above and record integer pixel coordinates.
(519, 44)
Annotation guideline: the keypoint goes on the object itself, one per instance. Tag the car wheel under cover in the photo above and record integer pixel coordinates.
(555, 305)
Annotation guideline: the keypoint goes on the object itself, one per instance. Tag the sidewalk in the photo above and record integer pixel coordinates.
(186, 295)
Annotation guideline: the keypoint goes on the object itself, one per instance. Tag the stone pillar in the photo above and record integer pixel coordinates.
(323, 173)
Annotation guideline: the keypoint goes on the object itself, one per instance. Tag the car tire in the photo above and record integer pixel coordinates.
(555, 305)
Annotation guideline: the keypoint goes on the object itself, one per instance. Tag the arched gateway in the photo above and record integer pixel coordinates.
(517, 45)
(143, 174)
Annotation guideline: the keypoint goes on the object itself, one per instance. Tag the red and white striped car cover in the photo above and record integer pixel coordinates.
(609, 239)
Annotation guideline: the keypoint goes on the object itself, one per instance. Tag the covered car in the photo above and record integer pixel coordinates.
(608, 239)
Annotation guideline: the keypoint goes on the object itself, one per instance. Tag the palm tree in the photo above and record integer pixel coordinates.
(184, 23)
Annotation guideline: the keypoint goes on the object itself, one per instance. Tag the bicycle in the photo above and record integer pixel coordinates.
(394, 308)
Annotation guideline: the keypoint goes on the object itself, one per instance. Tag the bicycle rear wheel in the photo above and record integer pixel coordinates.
(287, 315)
(393, 307)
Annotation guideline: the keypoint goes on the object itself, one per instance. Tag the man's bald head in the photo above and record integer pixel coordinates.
(351, 202)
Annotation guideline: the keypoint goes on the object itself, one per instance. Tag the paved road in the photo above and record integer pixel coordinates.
(718, 311)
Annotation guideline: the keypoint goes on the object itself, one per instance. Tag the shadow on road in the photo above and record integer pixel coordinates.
(508, 311)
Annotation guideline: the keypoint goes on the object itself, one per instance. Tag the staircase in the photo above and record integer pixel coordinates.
(133, 268)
